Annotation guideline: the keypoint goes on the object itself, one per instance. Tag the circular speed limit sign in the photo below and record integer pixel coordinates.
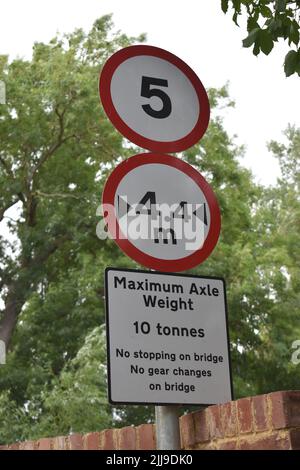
(168, 227)
(154, 99)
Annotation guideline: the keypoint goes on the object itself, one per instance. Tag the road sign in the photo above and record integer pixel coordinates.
(154, 99)
(161, 212)
(167, 338)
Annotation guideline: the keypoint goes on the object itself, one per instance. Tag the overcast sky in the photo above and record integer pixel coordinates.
(200, 34)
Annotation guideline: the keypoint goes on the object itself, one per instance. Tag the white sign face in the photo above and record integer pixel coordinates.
(154, 98)
(177, 239)
(162, 212)
(167, 339)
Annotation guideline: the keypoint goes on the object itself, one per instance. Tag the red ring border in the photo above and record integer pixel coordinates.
(181, 264)
(156, 146)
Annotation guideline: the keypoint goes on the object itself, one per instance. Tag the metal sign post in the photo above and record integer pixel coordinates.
(167, 427)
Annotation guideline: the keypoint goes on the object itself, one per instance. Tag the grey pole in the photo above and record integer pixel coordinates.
(167, 427)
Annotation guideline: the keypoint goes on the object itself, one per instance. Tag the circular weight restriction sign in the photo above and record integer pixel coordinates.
(161, 212)
(154, 99)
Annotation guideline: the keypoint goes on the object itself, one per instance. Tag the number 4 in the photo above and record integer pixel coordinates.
(148, 92)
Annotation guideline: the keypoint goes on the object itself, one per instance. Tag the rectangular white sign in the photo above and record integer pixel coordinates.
(167, 338)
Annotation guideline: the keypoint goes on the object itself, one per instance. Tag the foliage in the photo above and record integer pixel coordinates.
(77, 400)
(56, 148)
(267, 22)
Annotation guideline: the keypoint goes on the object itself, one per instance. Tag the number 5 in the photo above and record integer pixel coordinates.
(148, 92)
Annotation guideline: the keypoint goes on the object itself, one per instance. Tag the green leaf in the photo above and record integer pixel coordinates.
(280, 5)
(294, 33)
(291, 63)
(289, 12)
(235, 18)
(287, 23)
(266, 41)
(275, 28)
(224, 5)
(249, 40)
(237, 5)
(266, 11)
(277, 24)
(251, 24)
(256, 14)
(298, 63)
(256, 49)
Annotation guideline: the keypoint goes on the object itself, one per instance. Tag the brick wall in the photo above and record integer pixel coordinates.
(262, 422)
(129, 438)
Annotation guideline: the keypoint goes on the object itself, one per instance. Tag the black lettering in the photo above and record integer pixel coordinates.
(121, 281)
(193, 289)
(150, 301)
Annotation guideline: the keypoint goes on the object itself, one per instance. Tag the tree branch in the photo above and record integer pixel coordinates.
(55, 195)
(20, 289)
(60, 141)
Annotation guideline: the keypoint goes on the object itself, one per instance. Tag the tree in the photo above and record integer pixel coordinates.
(267, 22)
(47, 162)
(279, 224)
(77, 400)
(56, 147)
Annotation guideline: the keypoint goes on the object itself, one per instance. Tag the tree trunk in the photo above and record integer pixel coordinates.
(13, 305)
(21, 288)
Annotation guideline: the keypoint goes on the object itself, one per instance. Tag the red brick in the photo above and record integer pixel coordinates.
(229, 419)
(295, 439)
(294, 408)
(201, 423)
(187, 431)
(285, 408)
(44, 444)
(107, 440)
(126, 438)
(92, 441)
(75, 442)
(146, 437)
(278, 410)
(229, 445)
(14, 446)
(27, 445)
(215, 423)
(271, 442)
(60, 443)
(4, 447)
(260, 412)
(244, 415)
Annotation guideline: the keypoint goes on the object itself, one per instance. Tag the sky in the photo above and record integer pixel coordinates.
(200, 34)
